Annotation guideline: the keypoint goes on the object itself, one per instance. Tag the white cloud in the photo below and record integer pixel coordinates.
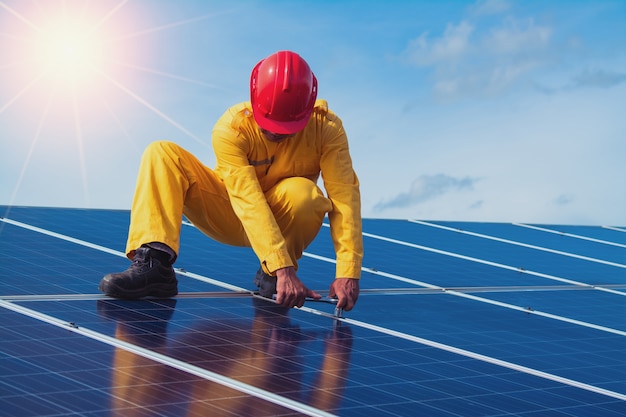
(516, 38)
(448, 48)
(477, 58)
(598, 78)
(427, 187)
(489, 7)
(490, 53)
(564, 199)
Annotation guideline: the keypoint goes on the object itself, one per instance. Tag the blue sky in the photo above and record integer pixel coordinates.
(494, 111)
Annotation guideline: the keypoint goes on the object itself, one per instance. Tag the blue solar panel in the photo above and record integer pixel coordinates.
(454, 319)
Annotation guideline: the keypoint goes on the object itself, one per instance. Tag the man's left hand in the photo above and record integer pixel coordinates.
(346, 290)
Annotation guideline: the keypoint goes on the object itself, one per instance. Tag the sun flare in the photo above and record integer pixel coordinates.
(69, 51)
(71, 72)
(58, 61)
(63, 45)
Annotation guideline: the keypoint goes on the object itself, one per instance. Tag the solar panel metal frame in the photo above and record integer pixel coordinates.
(453, 319)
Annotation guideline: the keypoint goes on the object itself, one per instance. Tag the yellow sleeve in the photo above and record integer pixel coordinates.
(247, 198)
(342, 186)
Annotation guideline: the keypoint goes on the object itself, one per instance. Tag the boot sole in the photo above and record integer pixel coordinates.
(154, 290)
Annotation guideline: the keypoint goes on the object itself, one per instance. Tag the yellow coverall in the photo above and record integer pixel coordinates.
(262, 194)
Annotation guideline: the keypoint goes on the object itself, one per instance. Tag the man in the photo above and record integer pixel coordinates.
(270, 152)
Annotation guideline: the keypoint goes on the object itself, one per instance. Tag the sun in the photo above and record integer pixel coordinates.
(61, 46)
(69, 51)
(59, 62)
(71, 74)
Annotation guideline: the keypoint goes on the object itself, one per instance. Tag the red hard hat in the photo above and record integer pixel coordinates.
(283, 90)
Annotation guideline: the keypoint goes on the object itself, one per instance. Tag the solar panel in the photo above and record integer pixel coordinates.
(454, 319)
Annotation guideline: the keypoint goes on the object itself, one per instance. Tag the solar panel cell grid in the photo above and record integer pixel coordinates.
(437, 331)
(516, 256)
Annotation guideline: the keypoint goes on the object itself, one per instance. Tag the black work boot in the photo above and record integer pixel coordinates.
(266, 283)
(150, 274)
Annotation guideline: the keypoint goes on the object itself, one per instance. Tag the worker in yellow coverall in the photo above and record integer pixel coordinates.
(262, 193)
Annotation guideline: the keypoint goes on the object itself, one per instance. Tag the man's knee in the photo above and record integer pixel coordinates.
(160, 148)
(300, 196)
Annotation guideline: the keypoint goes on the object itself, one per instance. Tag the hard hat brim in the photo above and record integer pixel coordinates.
(282, 128)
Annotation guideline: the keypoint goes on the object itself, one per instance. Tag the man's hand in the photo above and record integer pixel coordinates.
(346, 290)
(290, 291)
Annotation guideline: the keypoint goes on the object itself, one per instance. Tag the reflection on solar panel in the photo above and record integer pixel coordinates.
(454, 319)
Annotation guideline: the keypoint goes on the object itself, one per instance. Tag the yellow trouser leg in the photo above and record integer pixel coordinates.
(299, 207)
(171, 181)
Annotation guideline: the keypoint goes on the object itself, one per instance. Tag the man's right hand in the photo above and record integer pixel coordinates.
(290, 291)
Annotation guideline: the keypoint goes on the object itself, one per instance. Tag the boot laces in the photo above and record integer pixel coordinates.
(142, 260)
